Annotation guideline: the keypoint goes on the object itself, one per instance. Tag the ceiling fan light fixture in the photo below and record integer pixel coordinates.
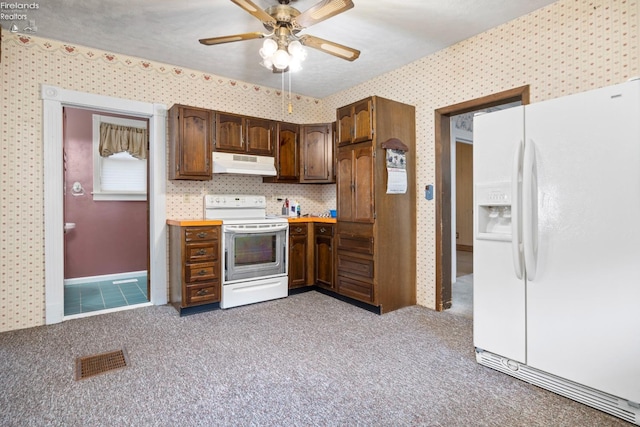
(281, 59)
(295, 64)
(283, 49)
(269, 47)
(295, 48)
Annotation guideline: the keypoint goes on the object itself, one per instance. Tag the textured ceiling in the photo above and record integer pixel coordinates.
(389, 34)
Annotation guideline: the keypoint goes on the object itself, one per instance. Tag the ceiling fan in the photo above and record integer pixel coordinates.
(282, 50)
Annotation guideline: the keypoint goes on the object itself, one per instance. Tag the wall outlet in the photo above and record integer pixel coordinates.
(186, 198)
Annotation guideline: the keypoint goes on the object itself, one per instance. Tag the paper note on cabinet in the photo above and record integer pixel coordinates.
(396, 172)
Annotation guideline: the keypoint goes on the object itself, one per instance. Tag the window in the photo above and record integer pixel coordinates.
(119, 176)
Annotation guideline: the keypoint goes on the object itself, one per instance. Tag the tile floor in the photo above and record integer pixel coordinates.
(462, 289)
(94, 296)
(464, 264)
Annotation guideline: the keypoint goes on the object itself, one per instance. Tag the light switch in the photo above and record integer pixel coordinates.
(428, 192)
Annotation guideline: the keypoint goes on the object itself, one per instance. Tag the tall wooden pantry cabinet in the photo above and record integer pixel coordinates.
(376, 231)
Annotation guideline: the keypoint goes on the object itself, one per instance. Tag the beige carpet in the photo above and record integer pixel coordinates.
(306, 360)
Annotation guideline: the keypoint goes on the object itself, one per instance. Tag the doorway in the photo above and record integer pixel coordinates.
(445, 174)
(54, 99)
(106, 227)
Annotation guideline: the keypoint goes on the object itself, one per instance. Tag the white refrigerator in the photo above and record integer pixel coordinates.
(556, 255)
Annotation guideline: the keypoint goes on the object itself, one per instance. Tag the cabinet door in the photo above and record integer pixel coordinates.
(363, 183)
(344, 182)
(344, 125)
(324, 256)
(287, 155)
(298, 258)
(363, 121)
(229, 133)
(259, 136)
(317, 153)
(190, 143)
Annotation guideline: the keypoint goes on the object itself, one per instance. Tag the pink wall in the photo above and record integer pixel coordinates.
(110, 237)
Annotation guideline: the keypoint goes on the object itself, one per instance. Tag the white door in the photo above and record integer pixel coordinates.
(498, 294)
(583, 297)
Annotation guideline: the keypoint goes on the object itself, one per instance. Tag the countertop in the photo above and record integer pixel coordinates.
(210, 222)
(312, 219)
(194, 222)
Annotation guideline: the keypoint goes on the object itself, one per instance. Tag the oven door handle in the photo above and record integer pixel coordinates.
(242, 230)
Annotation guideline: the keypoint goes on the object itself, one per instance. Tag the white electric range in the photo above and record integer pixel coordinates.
(255, 249)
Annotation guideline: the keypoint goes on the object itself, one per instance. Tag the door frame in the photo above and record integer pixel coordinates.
(443, 181)
(53, 101)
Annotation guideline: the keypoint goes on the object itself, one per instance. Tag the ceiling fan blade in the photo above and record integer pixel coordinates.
(233, 38)
(321, 11)
(331, 48)
(251, 7)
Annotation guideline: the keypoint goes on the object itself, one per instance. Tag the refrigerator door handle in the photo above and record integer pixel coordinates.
(530, 210)
(516, 211)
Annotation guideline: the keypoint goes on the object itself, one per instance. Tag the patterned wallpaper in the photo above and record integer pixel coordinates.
(567, 47)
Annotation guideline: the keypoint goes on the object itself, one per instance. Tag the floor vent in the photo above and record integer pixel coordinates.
(605, 402)
(90, 366)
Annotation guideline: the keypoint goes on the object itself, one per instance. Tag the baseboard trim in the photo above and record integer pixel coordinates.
(104, 277)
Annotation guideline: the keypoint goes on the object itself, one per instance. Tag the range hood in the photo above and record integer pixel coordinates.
(243, 164)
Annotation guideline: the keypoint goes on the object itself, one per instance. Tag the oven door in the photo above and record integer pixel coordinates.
(253, 251)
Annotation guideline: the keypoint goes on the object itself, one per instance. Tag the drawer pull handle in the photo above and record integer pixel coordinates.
(202, 234)
(202, 272)
(322, 229)
(298, 230)
(202, 292)
(202, 252)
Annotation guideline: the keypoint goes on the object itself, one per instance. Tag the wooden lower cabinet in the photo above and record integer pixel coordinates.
(324, 256)
(298, 249)
(355, 272)
(311, 255)
(194, 265)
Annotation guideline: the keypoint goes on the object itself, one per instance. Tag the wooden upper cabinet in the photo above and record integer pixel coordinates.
(190, 142)
(344, 185)
(363, 121)
(229, 133)
(259, 136)
(363, 182)
(287, 153)
(344, 125)
(240, 134)
(355, 184)
(317, 153)
(355, 122)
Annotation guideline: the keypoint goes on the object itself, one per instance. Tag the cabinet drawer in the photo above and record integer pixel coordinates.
(298, 230)
(195, 234)
(200, 252)
(323, 230)
(353, 243)
(202, 271)
(362, 291)
(356, 266)
(203, 293)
